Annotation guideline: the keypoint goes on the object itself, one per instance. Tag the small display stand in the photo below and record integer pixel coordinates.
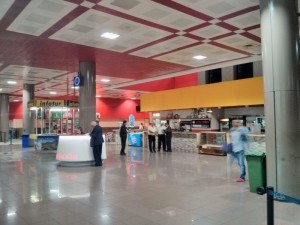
(211, 143)
(135, 139)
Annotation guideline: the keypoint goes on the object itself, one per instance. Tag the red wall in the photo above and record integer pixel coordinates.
(15, 110)
(109, 108)
(166, 84)
(115, 108)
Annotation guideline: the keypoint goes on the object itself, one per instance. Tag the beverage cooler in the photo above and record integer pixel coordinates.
(224, 125)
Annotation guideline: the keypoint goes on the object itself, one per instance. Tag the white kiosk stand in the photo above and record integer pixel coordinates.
(75, 150)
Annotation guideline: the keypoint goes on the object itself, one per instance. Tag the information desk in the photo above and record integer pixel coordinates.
(76, 151)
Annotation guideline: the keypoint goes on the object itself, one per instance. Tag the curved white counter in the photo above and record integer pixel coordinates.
(76, 151)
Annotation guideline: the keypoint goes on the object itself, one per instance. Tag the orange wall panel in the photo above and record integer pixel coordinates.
(223, 94)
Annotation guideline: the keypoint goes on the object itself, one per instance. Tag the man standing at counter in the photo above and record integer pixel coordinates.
(168, 137)
(123, 136)
(161, 137)
(96, 142)
(151, 137)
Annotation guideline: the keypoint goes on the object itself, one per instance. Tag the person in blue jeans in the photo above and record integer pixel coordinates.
(239, 141)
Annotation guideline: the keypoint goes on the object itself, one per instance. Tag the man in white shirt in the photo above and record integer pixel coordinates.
(141, 127)
(151, 137)
(161, 137)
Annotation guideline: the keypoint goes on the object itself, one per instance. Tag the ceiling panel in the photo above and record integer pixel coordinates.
(5, 5)
(245, 20)
(240, 42)
(214, 55)
(40, 15)
(154, 12)
(165, 46)
(87, 29)
(210, 31)
(27, 72)
(218, 8)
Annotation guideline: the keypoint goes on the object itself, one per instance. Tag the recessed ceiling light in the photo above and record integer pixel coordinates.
(52, 92)
(199, 57)
(110, 35)
(105, 80)
(98, 96)
(12, 82)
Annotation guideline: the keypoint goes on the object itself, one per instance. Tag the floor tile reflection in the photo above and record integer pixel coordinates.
(139, 188)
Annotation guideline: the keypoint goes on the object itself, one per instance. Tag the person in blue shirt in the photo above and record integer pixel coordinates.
(239, 141)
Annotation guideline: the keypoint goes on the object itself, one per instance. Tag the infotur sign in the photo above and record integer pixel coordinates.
(49, 103)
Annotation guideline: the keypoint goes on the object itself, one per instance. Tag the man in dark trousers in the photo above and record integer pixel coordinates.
(123, 136)
(168, 132)
(96, 142)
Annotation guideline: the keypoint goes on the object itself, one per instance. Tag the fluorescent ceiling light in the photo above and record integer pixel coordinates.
(16, 100)
(98, 96)
(105, 80)
(133, 98)
(74, 87)
(52, 92)
(12, 82)
(110, 35)
(199, 57)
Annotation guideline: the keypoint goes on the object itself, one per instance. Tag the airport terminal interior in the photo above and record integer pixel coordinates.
(201, 72)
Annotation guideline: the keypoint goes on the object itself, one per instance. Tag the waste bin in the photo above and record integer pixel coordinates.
(257, 171)
(25, 141)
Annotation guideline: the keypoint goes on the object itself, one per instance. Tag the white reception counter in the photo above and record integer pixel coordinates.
(76, 151)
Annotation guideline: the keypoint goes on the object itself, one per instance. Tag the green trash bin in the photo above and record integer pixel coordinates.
(257, 171)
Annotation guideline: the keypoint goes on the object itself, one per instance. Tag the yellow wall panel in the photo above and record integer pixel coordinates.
(229, 93)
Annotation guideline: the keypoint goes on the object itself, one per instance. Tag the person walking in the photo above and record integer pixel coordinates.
(168, 132)
(151, 137)
(239, 141)
(96, 142)
(161, 137)
(123, 136)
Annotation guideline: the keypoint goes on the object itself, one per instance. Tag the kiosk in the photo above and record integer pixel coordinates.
(75, 150)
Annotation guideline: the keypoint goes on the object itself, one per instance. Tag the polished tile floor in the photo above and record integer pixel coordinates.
(139, 189)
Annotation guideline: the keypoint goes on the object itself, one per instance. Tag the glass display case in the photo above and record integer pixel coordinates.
(257, 142)
(211, 143)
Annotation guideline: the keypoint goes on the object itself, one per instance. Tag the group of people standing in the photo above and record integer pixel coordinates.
(164, 133)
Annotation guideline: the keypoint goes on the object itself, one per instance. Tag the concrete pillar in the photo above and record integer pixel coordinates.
(28, 95)
(87, 92)
(280, 47)
(257, 69)
(201, 78)
(227, 73)
(4, 116)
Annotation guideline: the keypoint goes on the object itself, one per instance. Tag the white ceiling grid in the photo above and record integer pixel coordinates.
(214, 55)
(87, 29)
(39, 16)
(5, 5)
(154, 12)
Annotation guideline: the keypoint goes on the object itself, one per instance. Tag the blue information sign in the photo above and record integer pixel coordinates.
(77, 81)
